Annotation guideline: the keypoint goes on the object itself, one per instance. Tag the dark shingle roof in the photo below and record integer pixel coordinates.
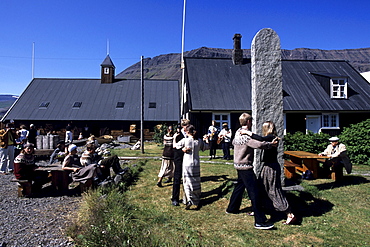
(217, 84)
(107, 62)
(98, 100)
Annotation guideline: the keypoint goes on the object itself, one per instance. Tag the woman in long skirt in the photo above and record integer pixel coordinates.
(167, 167)
(270, 174)
(191, 167)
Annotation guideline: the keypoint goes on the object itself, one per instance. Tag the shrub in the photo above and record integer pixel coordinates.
(104, 218)
(159, 132)
(310, 142)
(356, 138)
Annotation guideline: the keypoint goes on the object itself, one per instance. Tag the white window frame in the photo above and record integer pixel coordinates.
(220, 121)
(338, 88)
(329, 124)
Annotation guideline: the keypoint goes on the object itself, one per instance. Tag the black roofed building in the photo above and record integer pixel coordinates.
(319, 95)
(106, 105)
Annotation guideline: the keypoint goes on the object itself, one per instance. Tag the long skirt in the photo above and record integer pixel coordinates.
(191, 183)
(272, 191)
(84, 174)
(167, 168)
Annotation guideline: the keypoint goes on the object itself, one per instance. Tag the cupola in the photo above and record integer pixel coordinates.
(107, 71)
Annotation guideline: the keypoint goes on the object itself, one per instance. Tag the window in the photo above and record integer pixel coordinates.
(221, 118)
(338, 89)
(44, 104)
(152, 105)
(120, 104)
(330, 120)
(77, 104)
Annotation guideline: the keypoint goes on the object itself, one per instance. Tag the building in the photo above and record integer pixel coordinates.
(318, 95)
(106, 106)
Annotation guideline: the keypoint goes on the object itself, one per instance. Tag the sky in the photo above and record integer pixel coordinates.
(71, 38)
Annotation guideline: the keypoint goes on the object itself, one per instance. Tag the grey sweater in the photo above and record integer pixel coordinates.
(244, 147)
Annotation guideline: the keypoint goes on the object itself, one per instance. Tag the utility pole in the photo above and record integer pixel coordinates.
(142, 107)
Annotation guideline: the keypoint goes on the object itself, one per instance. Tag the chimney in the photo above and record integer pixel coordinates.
(107, 71)
(237, 51)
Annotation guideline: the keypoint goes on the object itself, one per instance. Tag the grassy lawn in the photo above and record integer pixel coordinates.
(333, 214)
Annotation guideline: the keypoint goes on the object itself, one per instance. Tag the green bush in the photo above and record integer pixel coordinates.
(159, 132)
(310, 142)
(355, 138)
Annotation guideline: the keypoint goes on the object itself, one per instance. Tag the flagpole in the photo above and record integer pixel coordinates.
(183, 92)
(33, 61)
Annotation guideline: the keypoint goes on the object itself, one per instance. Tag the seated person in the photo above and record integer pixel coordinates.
(80, 173)
(136, 146)
(92, 139)
(24, 168)
(338, 156)
(59, 152)
(91, 157)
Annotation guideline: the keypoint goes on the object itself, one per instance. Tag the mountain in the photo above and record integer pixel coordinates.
(6, 101)
(167, 66)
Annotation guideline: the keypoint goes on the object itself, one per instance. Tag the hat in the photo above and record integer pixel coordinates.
(224, 124)
(72, 147)
(32, 125)
(334, 139)
(28, 145)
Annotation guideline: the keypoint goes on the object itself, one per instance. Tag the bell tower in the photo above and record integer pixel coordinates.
(107, 70)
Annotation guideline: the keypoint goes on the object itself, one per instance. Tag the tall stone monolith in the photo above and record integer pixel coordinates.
(267, 88)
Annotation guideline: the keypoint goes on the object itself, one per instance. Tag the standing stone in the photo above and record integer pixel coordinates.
(267, 88)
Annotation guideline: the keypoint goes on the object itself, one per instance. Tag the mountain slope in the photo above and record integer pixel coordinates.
(167, 66)
(6, 101)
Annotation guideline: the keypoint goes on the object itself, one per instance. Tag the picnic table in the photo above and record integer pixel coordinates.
(302, 161)
(59, 178)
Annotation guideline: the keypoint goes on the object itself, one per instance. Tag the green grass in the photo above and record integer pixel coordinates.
(333, 214)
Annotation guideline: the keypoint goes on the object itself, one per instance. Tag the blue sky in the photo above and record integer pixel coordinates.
(70, 37)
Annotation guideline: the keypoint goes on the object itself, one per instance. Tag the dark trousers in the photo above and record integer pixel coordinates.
(177, 160)
(113, 162)
(246, 180)
(226, 149)
(335, 164)
(212, 147)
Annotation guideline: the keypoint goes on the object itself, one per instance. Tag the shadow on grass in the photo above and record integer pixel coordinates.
(346, 181)
(304, 204)
(211, 196)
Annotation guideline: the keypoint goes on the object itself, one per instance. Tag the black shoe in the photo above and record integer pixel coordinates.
(263, 226)
(236, 212)
(175, 203)
(159, 184)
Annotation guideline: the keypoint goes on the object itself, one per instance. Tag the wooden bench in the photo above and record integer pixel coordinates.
(24, 187)
(335, 175)
(290, 169)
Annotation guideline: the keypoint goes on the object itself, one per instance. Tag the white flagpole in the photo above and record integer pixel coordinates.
(33, 61)
(183, 92)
